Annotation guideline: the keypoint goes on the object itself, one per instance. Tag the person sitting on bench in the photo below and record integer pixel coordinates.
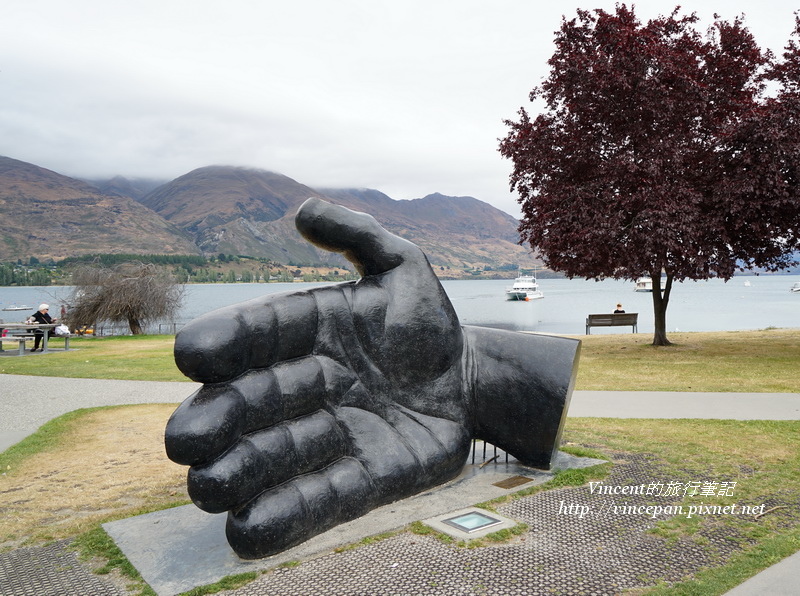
(41, 316)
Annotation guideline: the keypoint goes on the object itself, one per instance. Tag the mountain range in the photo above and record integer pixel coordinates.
(231, 210)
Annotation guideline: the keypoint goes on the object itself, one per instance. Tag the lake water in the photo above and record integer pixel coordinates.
(694, 306)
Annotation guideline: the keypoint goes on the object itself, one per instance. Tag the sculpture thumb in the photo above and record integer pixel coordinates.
(372, 249)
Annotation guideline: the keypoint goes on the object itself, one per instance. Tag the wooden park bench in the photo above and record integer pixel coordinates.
(613, 320)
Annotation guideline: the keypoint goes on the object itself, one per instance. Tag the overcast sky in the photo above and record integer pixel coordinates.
(407, 97)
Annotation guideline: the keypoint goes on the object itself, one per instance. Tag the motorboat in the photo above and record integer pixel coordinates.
(525, 288)
(644, 284)
(15, 307)
(795, 287)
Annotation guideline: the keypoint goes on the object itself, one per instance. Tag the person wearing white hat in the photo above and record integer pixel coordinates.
(41, 316)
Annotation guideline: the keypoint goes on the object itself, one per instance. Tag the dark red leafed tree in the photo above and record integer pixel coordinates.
(643, 160)
(760, 170)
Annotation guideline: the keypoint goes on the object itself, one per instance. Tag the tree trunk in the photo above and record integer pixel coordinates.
(136, 327)
(660, 302)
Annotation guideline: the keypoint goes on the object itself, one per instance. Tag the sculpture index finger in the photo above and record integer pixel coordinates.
(372, 249)
(223, 344)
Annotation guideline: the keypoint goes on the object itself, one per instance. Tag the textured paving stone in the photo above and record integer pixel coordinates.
(561, 554)
(598, 554)
(52, 570)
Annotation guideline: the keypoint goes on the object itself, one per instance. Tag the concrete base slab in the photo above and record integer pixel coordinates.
(179, 549)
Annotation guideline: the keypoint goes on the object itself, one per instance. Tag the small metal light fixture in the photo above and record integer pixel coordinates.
(472, 521)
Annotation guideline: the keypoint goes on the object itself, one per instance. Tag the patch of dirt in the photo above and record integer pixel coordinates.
(114, 464)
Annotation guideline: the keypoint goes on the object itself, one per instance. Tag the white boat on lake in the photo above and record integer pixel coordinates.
(525, 288)
(795, 287)
(15, 307)
(644, 284)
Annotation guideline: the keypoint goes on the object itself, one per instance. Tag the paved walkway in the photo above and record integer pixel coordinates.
(27, 402)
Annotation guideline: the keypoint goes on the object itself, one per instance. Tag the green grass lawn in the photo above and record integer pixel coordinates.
(142, 357)
(748, 361)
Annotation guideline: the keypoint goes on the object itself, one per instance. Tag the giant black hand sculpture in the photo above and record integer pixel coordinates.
(320, 405)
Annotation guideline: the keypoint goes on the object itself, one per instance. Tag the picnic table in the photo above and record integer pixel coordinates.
(22, 332)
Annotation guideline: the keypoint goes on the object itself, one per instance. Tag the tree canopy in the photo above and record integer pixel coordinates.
(134, 293)
(655, 152)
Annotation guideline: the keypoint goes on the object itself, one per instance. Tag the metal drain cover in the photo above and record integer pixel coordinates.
(513, 481)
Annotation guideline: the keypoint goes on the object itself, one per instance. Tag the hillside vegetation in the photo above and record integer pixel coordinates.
(233, 211)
